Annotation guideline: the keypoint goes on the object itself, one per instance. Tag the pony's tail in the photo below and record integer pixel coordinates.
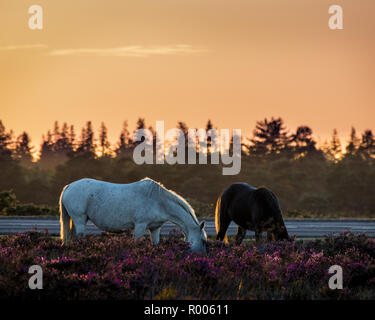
(218, 210)
(66, 223)
(217, 215)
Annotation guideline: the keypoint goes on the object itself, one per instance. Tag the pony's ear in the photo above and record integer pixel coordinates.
(202, 224)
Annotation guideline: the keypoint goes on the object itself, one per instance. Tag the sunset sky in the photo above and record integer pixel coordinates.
(233, 61)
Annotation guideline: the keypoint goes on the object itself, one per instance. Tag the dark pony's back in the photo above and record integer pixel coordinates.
(266, 202)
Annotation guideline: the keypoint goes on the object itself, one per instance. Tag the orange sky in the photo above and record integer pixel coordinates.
(234, 62)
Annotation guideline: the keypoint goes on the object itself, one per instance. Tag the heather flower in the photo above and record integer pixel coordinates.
(117, 267)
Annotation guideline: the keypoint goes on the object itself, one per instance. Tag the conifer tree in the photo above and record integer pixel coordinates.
(353, 143)
(103, 140)
(269, 137)
(23, 150)
(125, 142)
(86, 146)
(367, 146)
(5, 142)
(334, 151)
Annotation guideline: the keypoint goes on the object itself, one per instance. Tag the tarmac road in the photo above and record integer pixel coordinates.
(302, 228)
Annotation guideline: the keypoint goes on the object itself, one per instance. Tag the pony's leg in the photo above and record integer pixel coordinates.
(73, 234)
(241, 233)
(79, 224)
(139, 230)
(80, 230)
(155, 236)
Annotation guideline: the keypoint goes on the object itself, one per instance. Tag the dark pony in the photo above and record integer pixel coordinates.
(251, 209)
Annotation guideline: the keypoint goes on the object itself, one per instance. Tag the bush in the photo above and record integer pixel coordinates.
(7, 200)
(31, 210)
(9, 206)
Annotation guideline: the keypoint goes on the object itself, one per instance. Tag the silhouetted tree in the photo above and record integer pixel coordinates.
(5, 142)
(353, 144)
(243, 146)
(103, 140)
(141, 124)
(46, 148)
(334, 152)
(185, 131)
(23, 150)
(184, 128)
(125, 142)
(57, 145)
(209, 126)
(367, 146)
(86, 146)
(62, 143)
(303, 141)
(270, 137)
(72, 138)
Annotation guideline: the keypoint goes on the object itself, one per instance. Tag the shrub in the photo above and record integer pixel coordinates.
(9, 206)
(31, 210)
(7, 200)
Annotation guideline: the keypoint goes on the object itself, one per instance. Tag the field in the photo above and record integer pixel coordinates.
(117, 267)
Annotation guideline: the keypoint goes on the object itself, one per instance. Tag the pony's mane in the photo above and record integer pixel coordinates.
(157, 187)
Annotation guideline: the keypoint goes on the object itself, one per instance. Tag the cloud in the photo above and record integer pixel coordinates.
(129, 51)
(23, 47)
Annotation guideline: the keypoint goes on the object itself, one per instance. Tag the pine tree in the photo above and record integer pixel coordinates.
(209, 126)
(23, 149)
(334, 152)
(57, 145)
(5, 142)
(182, 126)
(56, 136)
(125, 142)
(46, 148)
(270, 137)
(141, 124)
(72, 139)
(367, 145)
(185, 131)
(61, 141)
(353, 143)
(303, 141)
(86, 146)
(103, 140)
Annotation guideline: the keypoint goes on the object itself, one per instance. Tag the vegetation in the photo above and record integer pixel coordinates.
(117, 267)
(309, 181)
(9, 206)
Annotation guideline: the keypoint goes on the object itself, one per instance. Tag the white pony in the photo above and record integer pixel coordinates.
(142, 205)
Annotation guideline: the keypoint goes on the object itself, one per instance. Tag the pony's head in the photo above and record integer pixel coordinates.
(198, 240)
(282, 234)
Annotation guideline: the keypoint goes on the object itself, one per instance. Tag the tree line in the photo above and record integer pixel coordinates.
(270, 137)
(325, 180)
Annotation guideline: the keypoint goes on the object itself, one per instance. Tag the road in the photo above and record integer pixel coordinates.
(302, 228)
